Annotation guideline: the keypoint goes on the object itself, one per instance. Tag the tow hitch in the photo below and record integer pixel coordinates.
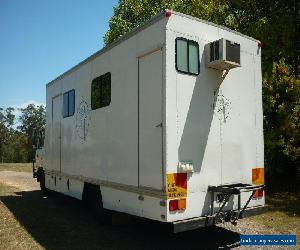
(224, 192)
(223, 196)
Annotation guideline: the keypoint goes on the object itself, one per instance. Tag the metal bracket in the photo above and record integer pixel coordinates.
(228, 191)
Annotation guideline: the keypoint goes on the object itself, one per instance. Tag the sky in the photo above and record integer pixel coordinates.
(39, 40)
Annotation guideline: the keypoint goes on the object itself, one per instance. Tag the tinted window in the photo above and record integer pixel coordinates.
(101, 91)
(95, 95)
(193, 58)
(69, 103)
(66, 105)
(187, 56)
(181, 49)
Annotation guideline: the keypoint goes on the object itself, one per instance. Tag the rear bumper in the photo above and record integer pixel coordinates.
(189, 224)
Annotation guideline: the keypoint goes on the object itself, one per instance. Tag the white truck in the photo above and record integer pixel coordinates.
(165, 123)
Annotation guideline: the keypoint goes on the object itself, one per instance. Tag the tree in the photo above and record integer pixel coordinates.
(274, 23)
(281, 97)
(6, 122)
(32, 119)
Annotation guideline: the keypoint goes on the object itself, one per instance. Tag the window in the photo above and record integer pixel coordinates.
(101, 91)
(187, 56)
(69, 103)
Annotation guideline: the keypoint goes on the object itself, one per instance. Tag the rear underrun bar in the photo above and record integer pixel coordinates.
(228, 191)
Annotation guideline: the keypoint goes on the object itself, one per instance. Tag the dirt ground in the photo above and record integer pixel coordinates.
(60, 222)
(22, 180)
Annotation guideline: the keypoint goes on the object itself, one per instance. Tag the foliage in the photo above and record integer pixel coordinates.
(6, 131)
(272, 22)
(275, 24)
(16, 141)
(281, 96)
(32, 119)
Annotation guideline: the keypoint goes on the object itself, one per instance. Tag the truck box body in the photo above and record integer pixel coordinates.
(163, 129)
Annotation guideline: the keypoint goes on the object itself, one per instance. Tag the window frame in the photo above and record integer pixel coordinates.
(68, 113)
(101, 81)
(188, 56)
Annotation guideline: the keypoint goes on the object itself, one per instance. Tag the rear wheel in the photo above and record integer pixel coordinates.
(41, 178)
(92, 198)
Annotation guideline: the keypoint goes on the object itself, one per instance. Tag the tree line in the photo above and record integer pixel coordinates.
(276, 24)
(17, 134)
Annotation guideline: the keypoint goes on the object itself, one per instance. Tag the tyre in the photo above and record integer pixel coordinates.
(41, 177)
(92, 198)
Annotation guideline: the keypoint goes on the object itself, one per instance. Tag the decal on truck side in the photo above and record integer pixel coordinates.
(176, 185)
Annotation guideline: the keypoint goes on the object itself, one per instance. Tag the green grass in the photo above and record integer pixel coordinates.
(18, 167)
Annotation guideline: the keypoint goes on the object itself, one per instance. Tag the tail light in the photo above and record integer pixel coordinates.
(181, 204)
(175, 205)
(258, 194)
(258, 179)
(258, 176)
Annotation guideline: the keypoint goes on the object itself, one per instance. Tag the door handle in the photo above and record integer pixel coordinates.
(159, 125)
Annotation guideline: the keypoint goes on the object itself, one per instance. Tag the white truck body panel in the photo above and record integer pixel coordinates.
(158, 118)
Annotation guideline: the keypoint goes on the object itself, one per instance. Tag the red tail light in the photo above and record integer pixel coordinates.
(258, 194)
(173, 205)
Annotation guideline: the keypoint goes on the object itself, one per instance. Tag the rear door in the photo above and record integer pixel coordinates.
(150, 120)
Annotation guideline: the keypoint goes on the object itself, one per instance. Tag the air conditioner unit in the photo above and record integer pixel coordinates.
(223, 54)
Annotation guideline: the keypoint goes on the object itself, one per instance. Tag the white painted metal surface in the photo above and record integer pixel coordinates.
(157, 121)
(56, 133)
(150, 120)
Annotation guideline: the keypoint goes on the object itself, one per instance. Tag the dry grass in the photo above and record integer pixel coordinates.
(29, 220)
(18, 167)
(12, 234)
(58, 222)
(284, 217)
